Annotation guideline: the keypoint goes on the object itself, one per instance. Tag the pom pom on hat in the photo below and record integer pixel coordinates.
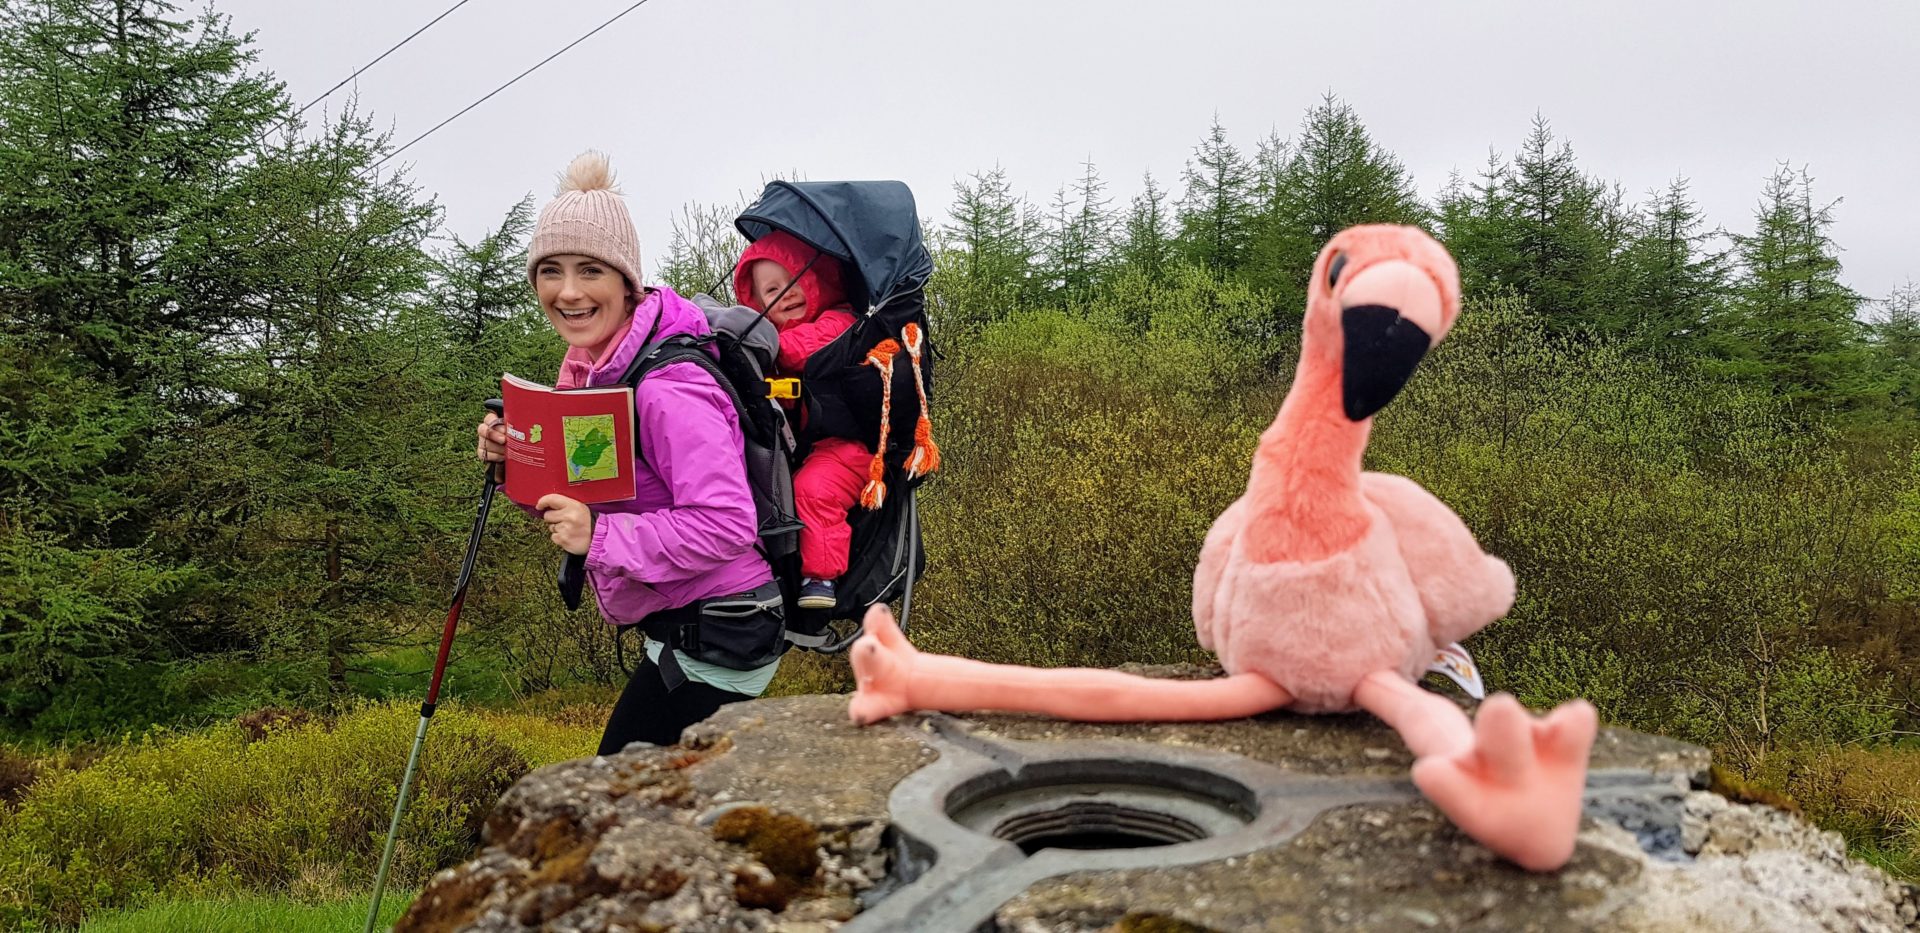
(589, 171)
(588, 217)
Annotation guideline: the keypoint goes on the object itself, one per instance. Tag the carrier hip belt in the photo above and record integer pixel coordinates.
(679, 629)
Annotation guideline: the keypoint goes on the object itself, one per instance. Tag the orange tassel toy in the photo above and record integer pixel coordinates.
(881, 358)
(926, 454)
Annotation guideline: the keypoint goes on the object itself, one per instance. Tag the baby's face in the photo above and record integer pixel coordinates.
(768, 279)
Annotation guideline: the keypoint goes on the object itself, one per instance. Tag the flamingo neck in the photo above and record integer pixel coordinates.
(1304, 490)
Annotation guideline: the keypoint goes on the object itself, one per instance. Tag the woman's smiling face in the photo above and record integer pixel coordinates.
(585, 299)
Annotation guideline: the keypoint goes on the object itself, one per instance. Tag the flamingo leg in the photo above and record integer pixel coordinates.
(1511, 780)
(893, 678)
(1428, 722)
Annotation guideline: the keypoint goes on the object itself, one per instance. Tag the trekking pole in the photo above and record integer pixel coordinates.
(913, 539)
(494, 475)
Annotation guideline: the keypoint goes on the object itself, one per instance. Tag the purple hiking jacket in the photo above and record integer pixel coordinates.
(690, 530)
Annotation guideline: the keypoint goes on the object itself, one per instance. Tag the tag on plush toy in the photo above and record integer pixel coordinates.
(1457, 664)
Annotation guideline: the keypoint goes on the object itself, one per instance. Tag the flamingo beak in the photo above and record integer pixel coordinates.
(1389, 314)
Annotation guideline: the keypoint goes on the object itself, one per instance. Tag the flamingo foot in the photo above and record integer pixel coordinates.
(882, 659)
(1518, 789)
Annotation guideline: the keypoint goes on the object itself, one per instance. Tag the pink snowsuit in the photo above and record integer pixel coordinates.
(828, 482)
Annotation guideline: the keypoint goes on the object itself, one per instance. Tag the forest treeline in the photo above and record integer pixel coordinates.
(240, 360)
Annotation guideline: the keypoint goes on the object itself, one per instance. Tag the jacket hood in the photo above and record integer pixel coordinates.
(820, 285)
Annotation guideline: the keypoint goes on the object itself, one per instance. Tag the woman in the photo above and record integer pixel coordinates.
(685, 543)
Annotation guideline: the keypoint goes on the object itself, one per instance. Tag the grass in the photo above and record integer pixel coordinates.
(292, 809)
(403, 673)
(1901, 865)
(246, 915)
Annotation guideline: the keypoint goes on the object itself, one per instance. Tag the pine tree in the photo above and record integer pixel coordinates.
(993, 230)
(1476, 225)
(1269, 169)
(1559, 243)
(327, 393)
(1216, 212)
(481, 317)
(477, 285)
(1538, 227)
(1673, 277)
(1079, 237)
(117, 125)
(1790, 323)
(1607, 278)
(123, 268)
(1059, 247)
(1896, 338)
(1333, 176)
(1145, 243)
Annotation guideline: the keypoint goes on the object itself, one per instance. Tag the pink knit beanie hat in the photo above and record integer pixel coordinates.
(588, 218)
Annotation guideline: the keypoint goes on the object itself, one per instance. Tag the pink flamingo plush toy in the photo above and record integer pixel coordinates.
(1324, 588)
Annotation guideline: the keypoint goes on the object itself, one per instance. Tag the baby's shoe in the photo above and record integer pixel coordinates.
(817, 594)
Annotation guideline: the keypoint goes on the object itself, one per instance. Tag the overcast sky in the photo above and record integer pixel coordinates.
(697, 100)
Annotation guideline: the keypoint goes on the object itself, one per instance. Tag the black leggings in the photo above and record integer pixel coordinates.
(647, 712)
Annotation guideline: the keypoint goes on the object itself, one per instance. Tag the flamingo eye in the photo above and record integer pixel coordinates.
(1334, 268)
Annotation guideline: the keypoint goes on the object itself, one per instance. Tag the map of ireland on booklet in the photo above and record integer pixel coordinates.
(589, 443)
(574, 442)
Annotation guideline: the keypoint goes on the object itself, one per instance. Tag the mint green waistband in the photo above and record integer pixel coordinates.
(752, 683)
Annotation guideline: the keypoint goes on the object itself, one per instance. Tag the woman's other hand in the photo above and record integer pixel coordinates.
(569, 522)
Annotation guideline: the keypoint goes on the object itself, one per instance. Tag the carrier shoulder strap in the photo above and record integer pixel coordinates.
(683, 348)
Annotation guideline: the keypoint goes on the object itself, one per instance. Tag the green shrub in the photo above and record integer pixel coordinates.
(804, 672)
(1688, 557)
(302, 809)
(71, 614)
(1685, 553)
(1076, 487)
(130, 698)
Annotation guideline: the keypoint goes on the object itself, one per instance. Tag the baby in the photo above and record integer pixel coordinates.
(809, 315)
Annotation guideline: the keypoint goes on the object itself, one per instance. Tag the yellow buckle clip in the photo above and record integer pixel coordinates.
(783, 388)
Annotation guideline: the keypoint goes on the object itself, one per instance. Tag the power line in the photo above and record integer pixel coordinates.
(516, 79)
(362, 69)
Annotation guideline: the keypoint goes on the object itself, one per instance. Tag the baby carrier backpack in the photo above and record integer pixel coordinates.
(871, 384)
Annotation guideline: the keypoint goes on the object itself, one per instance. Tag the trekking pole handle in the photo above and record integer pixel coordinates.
(497, 470)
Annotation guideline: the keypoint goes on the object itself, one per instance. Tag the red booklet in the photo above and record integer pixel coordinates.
(575, 442)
